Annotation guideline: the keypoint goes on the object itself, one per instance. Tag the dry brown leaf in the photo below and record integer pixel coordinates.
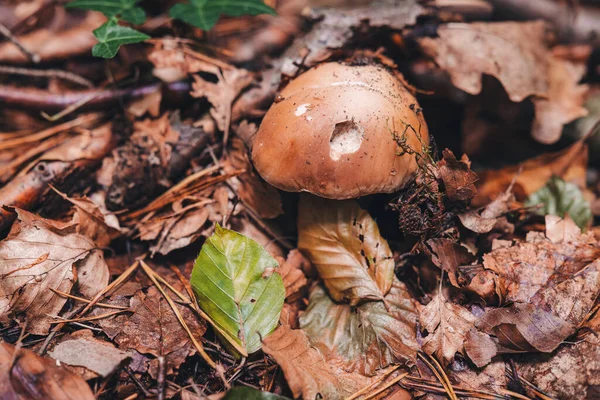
(457, 177)
(483, 220)
(254, 192)
(569, 164)
(448, 255)
(343, 243)
(24, 375)
(83, 350)
(387, 330)
(524, 67)
(294, 278)
(39, 255)
(307, 372)
(222, 94)
(174, 61)
(447, 324)
(154, 329)
(561, 230)
(149, 103)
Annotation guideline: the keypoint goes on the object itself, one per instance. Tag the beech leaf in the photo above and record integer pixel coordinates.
(236, 284)
(204, 14)
(562, 198)
(344, 244)
(364, 338)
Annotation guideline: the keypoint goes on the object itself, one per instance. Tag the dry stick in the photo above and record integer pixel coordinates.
(533, 388)
(428, 387)
(160, 387)
(458, 388)
(152, 275)
(47, 73)
(11, 168)
(387, 386)
(104, 305)
(375, 382)
(92, 318)
(433, 369)
(8, 34)
(46, 133)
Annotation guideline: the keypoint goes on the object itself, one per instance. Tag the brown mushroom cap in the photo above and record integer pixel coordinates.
(333, 133)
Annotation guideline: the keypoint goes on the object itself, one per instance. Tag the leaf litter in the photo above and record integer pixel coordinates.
(144, 256)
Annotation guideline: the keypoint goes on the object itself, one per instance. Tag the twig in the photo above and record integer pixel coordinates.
(387, 386)
(372, 384)
(92, 318)
(440, 375)
(160, 379)
(35, 58)
(70, 296)
(47, 73)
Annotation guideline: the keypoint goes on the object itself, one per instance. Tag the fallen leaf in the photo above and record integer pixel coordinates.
(248, 393)
(457, 177)
(24, 375)
(448, 255)
(447, 324)
(526, 68)
(39, 255)
(222, 94)
(387, 330)
(306, 371)
(293, 275)
(561, 230)
(237, 285)
(83, 350)
(483, 220)
(343, 243)
(569, 164)
(562, 198)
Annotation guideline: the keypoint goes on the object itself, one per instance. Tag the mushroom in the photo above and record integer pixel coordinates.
(340, 132)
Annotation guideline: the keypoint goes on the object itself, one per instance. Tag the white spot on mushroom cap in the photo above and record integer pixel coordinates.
(302, 108)
(346, 138)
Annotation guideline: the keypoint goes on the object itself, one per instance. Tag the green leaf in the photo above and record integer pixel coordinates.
(561, 198)
(366, 338)
(122, 9)
(247, 393)
(236, 284)
(111, 36)
(204, 14)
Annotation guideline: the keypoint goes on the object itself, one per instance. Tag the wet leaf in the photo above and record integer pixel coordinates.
(24, 375)
(127, 10)
(447, 324)
(237, 284)
(112, 36)
(307, 372)
(204, 14)
(387, 330)
(562, 198)
(344, 244)
(41, 255)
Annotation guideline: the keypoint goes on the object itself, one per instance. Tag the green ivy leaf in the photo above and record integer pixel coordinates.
(248, 393)
(111, 36)
(122, 9)
(204, 14)
(560, 198)
(235, 282)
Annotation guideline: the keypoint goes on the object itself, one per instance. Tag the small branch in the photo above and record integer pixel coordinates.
(8, 34)
(47, 73)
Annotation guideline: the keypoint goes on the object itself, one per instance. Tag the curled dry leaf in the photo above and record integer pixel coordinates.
(483, 220)
(570, 164)
(41, 255)
(448, 255)
(524, 67)
(387, 330)
(24, 375)
(457, 176)
(307, 372)
(344, 244)
(447, 324)
(83, 350)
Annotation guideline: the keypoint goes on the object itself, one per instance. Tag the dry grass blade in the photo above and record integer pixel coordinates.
(104, 305)
(440, 375)
(387, 386)
(152, 275)
(374, 383)
(537, 391)
(46, 133)
(93, 318)
(435, 387)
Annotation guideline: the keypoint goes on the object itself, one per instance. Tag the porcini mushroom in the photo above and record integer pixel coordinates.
(341, 132)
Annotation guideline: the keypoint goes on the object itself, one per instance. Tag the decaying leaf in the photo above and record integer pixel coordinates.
(562, 198)
(447, 324)
(387, 330)
(83, 350)
(39, 256)
(307, 372)
(524, 67)
(24, 375)
(237, 284)
(448, 255)
(483, 220)
(457, 177)
(344, 244)
(569, 164)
